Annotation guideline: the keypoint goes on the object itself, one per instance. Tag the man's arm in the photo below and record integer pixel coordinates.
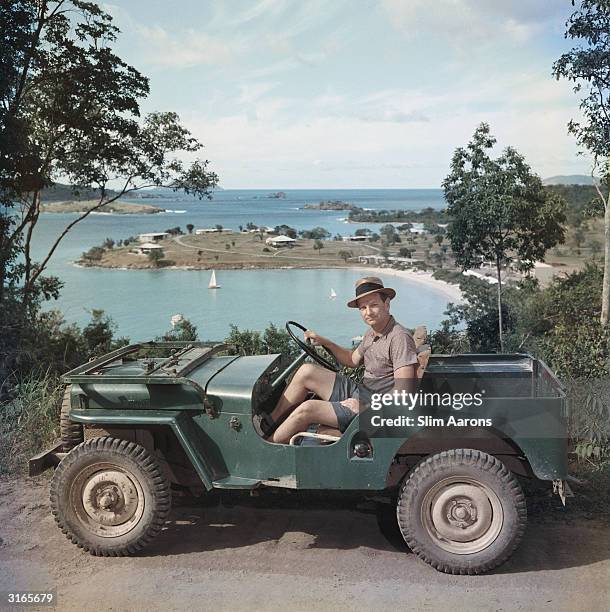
(346, 357)
(405, 379)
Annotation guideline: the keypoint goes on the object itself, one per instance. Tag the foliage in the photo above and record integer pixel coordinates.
(94, 254)
(189, 228)
(582, 202)
(285, 230)
(588, 66)
(426, 215)
(499, 210)
(183, 331)
(272, 340)
(69, 109)
(29, 421)
(317, 233)
(156, 257)
(318, 245)
(572, 341)
(345, 255)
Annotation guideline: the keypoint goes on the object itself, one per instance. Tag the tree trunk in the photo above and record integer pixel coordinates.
(499, 277)
(606, 281)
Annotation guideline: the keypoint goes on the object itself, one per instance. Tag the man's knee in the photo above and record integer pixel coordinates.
(306, 374)
(307, 410)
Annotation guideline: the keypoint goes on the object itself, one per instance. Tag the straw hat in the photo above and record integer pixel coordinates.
(369, 285)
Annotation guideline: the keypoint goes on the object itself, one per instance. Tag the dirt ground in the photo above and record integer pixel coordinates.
(295, 551)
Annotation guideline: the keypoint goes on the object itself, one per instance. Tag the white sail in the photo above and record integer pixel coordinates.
(333, 295)
(213, 284)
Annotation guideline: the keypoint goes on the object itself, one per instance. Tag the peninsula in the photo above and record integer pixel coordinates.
(114, 208)
(226, 250)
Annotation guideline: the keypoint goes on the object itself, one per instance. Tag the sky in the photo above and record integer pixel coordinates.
(354, 94)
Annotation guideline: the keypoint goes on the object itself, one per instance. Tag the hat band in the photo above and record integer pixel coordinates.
(366, 287)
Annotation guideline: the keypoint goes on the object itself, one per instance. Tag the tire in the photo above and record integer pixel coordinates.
(71, 434)
(109, 497)
(462, 511)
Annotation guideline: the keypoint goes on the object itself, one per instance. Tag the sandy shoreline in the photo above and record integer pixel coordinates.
(452, 292)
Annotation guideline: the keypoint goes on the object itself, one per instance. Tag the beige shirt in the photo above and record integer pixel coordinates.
(384, 353)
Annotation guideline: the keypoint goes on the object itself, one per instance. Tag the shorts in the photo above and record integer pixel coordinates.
(343, 389)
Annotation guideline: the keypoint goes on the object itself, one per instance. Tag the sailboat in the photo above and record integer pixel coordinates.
(213, 284)
(333, 295)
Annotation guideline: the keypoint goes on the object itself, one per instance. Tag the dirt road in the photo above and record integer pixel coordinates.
(299, 552)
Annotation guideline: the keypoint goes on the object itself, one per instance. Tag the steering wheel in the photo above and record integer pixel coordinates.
(308, 348)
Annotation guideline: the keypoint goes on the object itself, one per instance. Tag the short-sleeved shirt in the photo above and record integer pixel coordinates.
(384, 353)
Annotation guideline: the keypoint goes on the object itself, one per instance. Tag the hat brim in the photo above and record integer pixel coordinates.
(387, 291)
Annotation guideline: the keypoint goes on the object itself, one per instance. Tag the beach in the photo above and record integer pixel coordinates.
(451, 292)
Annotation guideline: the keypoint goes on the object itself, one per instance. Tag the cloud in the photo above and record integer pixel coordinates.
(469, 21)
(187, 49)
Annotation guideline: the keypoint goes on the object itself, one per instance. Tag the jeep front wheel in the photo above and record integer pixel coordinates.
(462, 511)
(110, 497)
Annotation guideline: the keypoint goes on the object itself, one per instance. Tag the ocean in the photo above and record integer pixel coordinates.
(141, 302)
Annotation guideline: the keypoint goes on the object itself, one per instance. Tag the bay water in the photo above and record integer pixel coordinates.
(141, 302)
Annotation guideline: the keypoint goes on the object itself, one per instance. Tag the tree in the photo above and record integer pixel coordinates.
(500, 210)
(345, 255)
(69, 109)
(183, 331)
(156, 257)
(318, 245)
(189, 228)
(285, 230)
(317, 233)
(405, 252)
(588, 66)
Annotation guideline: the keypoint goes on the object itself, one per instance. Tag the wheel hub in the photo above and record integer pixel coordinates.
(108, 500)
(462, 515)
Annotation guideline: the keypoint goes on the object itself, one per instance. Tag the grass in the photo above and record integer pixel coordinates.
(29, 422)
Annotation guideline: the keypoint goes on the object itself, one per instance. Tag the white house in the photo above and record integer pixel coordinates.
(152, 236)
(354, 238)
(280, 241)
(148, 247)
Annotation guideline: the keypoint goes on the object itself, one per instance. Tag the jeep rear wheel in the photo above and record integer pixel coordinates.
(110, 497)
(462, 511)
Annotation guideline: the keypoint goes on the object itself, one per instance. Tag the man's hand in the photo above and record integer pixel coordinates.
(316, 339)
(344, 356)
(351, 404)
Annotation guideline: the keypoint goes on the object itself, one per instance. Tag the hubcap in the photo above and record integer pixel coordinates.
(108, 500)
(462, 515)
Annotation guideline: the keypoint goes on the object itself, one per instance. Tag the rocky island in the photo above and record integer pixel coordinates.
(330, 205)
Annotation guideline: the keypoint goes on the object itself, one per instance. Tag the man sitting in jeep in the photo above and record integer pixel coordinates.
(390, 362)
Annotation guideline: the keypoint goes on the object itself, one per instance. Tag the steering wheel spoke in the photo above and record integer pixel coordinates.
(309, 348)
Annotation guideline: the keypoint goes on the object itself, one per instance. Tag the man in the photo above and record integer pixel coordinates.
(390, 362)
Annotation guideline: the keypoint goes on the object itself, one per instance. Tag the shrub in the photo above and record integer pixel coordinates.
(29, 421)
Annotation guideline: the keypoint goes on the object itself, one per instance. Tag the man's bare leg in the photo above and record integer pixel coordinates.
(307, 378)
(310, 411)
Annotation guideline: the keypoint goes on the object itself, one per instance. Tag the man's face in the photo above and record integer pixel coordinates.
(374, 309)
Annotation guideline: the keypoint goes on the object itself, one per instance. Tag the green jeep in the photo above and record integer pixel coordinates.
(152, 417)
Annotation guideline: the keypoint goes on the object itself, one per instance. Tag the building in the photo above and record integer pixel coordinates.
(152, 236)
(148, 247)
(354, 238)
(280, 241)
